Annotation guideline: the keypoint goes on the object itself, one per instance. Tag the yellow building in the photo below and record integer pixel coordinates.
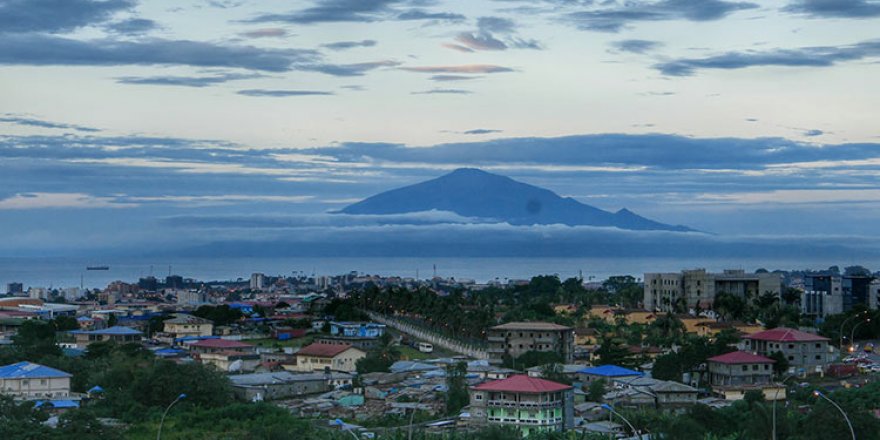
(318, 357)
(183, 325)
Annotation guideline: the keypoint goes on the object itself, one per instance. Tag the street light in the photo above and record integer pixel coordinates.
(852, 432)
(611, 409)
(341, 425)
(840, 332)
(775, 398)
(852, 334)
(162, 422)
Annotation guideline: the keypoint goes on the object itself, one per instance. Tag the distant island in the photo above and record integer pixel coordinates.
(475, 193)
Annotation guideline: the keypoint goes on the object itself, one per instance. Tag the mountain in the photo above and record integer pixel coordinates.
(475, 193)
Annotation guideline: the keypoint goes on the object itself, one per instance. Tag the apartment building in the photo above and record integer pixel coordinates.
(692, 289)
(806, 352)
(529, 404)
(731, 375)
(517, 338)
(29, 381)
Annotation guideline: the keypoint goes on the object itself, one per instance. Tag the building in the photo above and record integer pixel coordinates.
(14, 289)
(231, 361)
(183, 325)
(258, 281)
(649, 392)
(517, 338)
(527, 403)
(829, 294)
(28, 381)
(806, 353)
(731, 375)
(321, 357)
(608, 373)
(191, 297)
(363, 335)
(286, 385)
(216, 345)
(696, 289)
(118, 334)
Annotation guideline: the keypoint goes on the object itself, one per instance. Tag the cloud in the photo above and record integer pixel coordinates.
(457, 47)
(418, 14)
(343, 45)
(444, 92)
(617, 16)
(43, 50)
(186, 81)
(636, 46)
(56, 15)
(443, 78)
(482, 131)
(480, 41)
(466, 68)
(355, 69)
(282, 93)
(58, 200)
(835, 8)
(32, 122)
(265, 33)
(813, 133)
(133, 26)
(819, 56)
(485, 37)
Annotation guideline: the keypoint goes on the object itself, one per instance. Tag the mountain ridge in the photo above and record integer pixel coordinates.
(471, 192)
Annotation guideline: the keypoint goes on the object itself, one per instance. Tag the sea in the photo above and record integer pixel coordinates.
(60, 272)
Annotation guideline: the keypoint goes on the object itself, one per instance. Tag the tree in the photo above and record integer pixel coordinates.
(456, 383)
(533, 358)
(613, 351)
(596, 390)
(667, 367)
(65, 323)
(730, 307)
(780, 367)
(35, 340)
(380, 359)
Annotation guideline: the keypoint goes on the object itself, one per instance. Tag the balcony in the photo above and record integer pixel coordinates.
(496, 338)
(524, 404)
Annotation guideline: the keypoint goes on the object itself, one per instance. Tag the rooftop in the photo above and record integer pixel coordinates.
(116, 330)
(27, 370)
(740, 357)
(610, 371)
(784, 334)
(531, 326)
(522, 383)
(323, 350)
(182, 318)
(220, 343)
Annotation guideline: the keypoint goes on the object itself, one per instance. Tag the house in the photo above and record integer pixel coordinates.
(216, 345)
(806, 352)
(29, 381)
(363, 335)
(570, 371)
(517, 338)
(231, 361)
(117, 334)
(183, 325)
(336, 357)
(731, 375)
(286, 385)
(527, 403)
(607, 373)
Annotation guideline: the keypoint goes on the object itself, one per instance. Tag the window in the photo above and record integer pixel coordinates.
(791, 358)
(791, 346)
(755, 367)
(818, 357)
(818, 345)
(745, 368)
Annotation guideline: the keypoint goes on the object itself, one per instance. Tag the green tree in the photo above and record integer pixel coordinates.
(456, 383)
(596, 390)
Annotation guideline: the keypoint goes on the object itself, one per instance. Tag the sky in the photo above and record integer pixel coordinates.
(133, 124)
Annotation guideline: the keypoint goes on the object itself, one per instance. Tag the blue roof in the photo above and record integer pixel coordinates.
(27, 370)
(610, 371)
(116, 330)
(57, 403)
(96, 389)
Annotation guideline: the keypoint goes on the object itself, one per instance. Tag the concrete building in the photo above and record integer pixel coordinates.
(118, 334)
(517, 338)
(806, 353)
(829, 294)
(363, 335)
(231, 361)
(335, 357)
(731, 375)
(286, 385)
(649, 392)
(692, 289)
(258, 281)
(529, 404)
(191, 297)
(28, 381)
(15, 289)
(183, 325)
(608, 373)
(216, 345)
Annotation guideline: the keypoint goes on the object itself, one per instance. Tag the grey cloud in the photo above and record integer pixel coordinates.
(342, 45)
(444, 92)
(265, 33)
(186, 81)
(452, 78)
(481, 131)
(822, 56)
(329, 11)
(496, 24)
(418, 14)
(636, 46)
(56, 15)
(480, 41)
(41, 50)
(133, 26)
(486, 37)
(615, 17)
(282, 93)
(466, 68)
(355, 69)
(835, 8)
(813, 133)
(32, 122)
(457, 47)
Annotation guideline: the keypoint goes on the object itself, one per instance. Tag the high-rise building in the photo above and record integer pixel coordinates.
(258, 281)
(517, 338)
(829, 294)
(693, 289)
(14, 289)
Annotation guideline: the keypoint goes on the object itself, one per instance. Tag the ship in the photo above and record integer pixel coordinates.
(98, 268)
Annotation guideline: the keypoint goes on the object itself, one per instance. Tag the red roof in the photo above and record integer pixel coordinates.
(220, 343)
(323, 350)
(784, 334)
(740, 357)
(521, 383)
